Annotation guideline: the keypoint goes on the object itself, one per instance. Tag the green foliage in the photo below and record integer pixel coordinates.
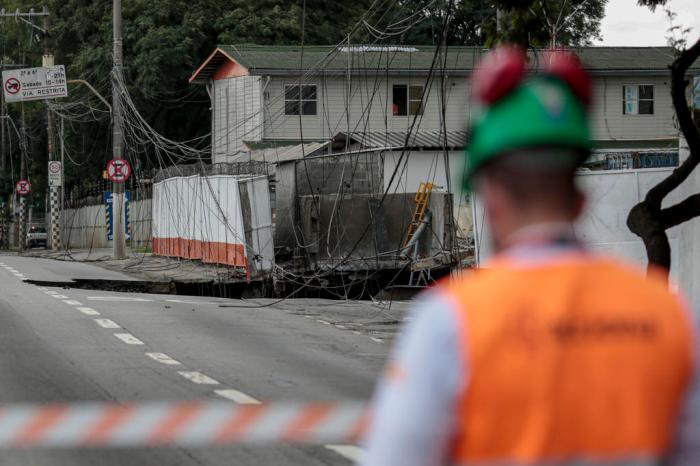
(164, 42)
(541, 23)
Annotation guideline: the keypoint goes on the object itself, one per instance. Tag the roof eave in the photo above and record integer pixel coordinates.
(202, 75)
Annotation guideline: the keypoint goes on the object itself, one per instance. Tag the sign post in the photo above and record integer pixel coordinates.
(34, 83)
(23, 187)
(55, 173)
(118, 170)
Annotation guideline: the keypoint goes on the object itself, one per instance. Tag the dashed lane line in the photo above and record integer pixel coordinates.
(163, 359)
(375, 339)
(238, 397)
(73, 302)
(88, 311)
(198, 378)
(322, 322)
(50, 292)
(128, 338)
(118, 299)
(107, 323)
(59, 296)
(351, 452)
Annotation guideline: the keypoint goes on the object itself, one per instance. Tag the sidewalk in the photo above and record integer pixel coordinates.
(145, 266)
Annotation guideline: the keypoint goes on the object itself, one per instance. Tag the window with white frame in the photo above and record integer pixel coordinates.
(407, 100)
(300, 99)
(638, 99)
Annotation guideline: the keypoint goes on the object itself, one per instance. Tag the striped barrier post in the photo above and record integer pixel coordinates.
(184, 424)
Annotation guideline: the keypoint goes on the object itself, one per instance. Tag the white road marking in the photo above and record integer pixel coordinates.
(378, 340)
(163, 359)
(350, 452)
(341, 327)
(322, 322)
(59, 296)
(308, 317)
(198, 378)
(107, 323)
(117, 298)
(73, 302)
(50, 292)
(179, 301)
(41, 288)
(88, 311)
(239, 397)
(128, 338)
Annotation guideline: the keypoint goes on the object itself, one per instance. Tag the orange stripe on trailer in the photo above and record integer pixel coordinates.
(113, 417)
(178, 418)
(44, 420)
(242, 419)
(304, 423)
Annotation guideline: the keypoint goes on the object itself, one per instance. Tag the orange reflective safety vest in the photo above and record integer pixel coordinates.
(581, 358)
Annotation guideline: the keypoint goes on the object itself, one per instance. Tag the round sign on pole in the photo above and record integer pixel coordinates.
(118, 170)
(54, 167)
(23, 187)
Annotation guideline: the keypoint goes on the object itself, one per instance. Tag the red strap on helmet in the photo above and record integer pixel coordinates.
(499, 72)
(567, 67)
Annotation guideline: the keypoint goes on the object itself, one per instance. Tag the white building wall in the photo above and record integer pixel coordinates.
(236, 115)
(370, 106)
(608, 121)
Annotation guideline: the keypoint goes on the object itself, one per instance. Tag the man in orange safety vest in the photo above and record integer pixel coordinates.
(549, 354)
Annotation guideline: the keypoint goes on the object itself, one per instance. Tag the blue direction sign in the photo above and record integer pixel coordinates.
(109, 212)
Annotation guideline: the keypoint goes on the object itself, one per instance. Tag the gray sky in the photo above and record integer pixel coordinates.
(625, 23)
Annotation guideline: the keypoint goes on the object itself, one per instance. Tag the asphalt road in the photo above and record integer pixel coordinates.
(60, 345)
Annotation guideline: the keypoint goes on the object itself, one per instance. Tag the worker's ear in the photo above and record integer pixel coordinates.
(579, 204)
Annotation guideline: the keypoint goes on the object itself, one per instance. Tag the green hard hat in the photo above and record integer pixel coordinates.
(542, 112)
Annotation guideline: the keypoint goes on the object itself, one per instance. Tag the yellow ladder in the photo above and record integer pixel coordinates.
(422, 198)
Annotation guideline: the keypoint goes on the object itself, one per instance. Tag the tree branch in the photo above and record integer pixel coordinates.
(679, 84)
(681, 212)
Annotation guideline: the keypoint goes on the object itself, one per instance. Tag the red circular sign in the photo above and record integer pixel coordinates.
(23, 187)
(12, 86)
(118, 170)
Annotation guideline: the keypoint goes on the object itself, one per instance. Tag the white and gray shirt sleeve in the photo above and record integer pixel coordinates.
(415, 403)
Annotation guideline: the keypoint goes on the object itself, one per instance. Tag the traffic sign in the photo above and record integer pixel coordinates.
(35, 83)
(55, 173)
(118, 170)
(23, 187)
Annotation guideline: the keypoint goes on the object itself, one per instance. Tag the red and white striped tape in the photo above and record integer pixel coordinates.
(190, 424)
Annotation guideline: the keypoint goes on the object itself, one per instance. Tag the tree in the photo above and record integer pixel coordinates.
(648, 219)
(524, 22)
(547, 22)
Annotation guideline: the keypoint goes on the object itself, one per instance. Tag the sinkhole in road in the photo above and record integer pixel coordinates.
(234, 290)
(384, 284)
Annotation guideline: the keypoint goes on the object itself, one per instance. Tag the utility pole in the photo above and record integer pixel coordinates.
(23, 176)
(55, 203)
(119, 219)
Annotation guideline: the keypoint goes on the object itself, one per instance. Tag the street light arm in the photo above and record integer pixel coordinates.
(94, 91)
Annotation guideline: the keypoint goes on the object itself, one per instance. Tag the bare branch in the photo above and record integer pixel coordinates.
(678, 94)
(685, 210)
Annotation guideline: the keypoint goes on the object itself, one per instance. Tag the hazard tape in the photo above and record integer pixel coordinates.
(187, 424)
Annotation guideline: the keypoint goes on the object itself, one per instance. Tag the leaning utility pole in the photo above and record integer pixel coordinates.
(55, 202)
(119, 217)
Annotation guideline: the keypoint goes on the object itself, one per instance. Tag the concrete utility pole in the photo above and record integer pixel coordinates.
(22, 176)
(119, 217)
(55, 193)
